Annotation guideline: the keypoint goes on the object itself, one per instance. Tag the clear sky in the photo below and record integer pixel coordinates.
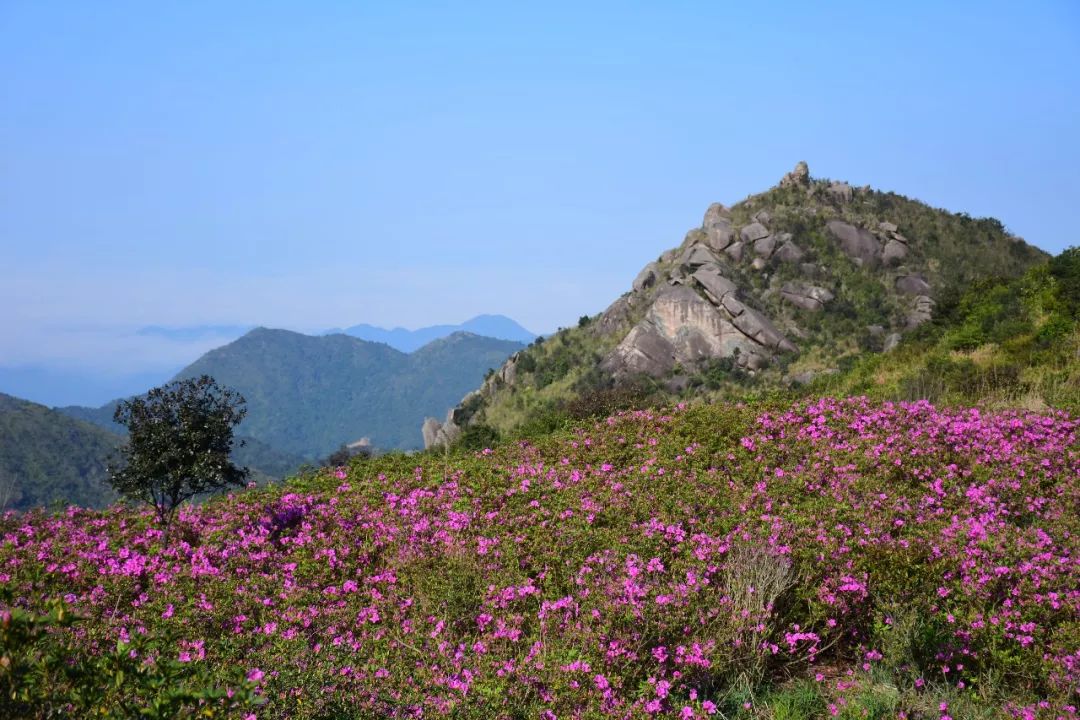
(319, 164)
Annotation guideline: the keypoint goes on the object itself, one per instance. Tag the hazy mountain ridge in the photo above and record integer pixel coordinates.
(493, 326)
(778, 289)
(307, 395)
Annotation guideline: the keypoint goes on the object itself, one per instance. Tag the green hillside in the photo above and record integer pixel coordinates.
(47, 457)
(1001, 343)
(306, 395)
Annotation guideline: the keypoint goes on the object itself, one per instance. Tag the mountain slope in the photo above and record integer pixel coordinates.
(492, 326)
(784, 286)
(46, 457)
(1000, 343)
(307, 395)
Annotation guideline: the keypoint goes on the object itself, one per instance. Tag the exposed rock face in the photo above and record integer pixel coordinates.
(753, 231)
(799, 177)
(695, 256)
(682, 327)
(894, 252)
(615, 317)
(646, 278)
(891, 341)
(757, 326)
(808, 297)
(735, 251)
(440, 434)
(717, 227)
(715, 285)
(887, 226)
(858, 244)
(912, 285)
(789, 252)
(763, 247)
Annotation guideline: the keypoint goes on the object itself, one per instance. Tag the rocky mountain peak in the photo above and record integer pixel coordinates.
(799, 177)
(783, 285)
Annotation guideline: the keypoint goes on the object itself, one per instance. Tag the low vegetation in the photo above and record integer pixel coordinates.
(825, 558)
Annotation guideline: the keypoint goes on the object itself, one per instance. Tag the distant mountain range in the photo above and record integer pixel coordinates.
(308, 395)
(91, 386)
(492, 326)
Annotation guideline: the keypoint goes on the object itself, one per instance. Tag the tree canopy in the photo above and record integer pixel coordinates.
(180, 436)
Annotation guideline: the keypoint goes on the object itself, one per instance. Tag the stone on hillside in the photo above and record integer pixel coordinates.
(912, 285)
(669, 255)
(858, 244)
(763, 247)
(809, 269)
(715, 285)
(735, 251)
(430, 431)
(899, 238)
(719, 234)
(508, 372)
(799, 177)
(922, 310)
(762, 216)
(758, 263)
(443, 434)
(894, 252)
(789, 252)
(617, 315)
(875, 330)
(840, 191)
(695, 256)
(887, 227)
(891, 341)
(643, 350)
(646, 278)
(807, 297)
(716, 211)
(757, 326)
(753, 231)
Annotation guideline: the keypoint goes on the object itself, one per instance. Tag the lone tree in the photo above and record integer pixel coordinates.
(179, 439)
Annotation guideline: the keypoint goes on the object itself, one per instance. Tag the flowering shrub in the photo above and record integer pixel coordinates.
(671, 564)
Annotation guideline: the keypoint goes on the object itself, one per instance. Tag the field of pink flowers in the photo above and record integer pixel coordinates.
(834, 558)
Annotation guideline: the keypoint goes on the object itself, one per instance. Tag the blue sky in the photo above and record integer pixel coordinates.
(321, 164)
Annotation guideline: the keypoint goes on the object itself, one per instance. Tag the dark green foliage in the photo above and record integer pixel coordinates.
(44, 673)
(339, 457)
(477, 437)
(180, 437)
(999, 341)
(48, 458)
(1065, 269)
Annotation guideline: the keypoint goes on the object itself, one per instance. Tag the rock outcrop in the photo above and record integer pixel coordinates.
(440, 434)
(857, 243)
(799, 177)
(808, 297)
